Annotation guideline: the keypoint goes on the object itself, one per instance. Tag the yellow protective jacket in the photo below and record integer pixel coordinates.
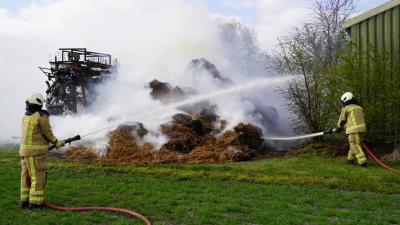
(36, 134)
(352, 118)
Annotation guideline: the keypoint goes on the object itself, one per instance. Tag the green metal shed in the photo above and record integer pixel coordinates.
(379, 27)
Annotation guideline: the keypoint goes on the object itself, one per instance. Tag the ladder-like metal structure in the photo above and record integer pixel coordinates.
(72, 77)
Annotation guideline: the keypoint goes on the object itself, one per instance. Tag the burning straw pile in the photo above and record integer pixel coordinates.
(195, 136)
(81, 154)
(124, 147)
(187, 144)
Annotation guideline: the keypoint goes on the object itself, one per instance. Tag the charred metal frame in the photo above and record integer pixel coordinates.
(72, 76)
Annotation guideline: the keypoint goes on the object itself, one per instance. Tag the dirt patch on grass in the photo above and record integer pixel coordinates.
(329, 148)
(394, 156)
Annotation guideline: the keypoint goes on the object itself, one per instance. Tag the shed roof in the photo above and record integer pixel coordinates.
(370, 13)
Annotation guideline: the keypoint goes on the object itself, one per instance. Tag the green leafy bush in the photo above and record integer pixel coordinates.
(374, 77)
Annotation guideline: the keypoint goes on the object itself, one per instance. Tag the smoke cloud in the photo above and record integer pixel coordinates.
(152, 40)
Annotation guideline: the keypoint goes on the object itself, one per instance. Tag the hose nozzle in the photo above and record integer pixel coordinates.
(76, 138)
(68, 140)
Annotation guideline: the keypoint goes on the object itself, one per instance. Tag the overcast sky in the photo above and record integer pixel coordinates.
(270, 18)
(240, 8)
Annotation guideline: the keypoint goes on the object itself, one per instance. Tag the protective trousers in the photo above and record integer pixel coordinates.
(33, 178)
(356, 151)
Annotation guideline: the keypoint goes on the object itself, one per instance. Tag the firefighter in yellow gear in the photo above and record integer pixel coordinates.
(36, 134)
(352, 120)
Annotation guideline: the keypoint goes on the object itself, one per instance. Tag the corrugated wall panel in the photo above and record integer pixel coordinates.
(381, 31)
(388, 31)
(396, 30)
(371, 31)
(364, 36)
(355, 34)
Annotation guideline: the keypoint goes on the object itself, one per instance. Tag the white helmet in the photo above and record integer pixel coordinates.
(35, 99)
(347, 97)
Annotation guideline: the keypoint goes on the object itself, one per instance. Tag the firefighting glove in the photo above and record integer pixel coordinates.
(336, 130)
(333, 131)
(59, 144)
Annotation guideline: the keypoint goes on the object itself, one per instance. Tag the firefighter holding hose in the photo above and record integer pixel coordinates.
(36, 134)
(352, 120)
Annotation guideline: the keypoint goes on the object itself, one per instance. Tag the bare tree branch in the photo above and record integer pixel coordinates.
(309, 51)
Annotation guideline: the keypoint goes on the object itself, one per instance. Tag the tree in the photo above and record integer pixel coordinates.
(309, 52)
(241, 48)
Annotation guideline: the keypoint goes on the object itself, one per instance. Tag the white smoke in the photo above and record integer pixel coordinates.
(151, 39)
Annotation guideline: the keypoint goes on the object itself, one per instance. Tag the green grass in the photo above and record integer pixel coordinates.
(307, 189)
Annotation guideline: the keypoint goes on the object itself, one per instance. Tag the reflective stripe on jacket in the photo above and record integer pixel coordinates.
(36, 134)
(352, 118)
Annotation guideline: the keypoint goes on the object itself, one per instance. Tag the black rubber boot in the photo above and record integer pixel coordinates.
(350, 162)
(364, 164)
(36, 206)
(24, 205)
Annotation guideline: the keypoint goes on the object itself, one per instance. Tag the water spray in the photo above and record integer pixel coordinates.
(197, 98)
(192, 100)
(295, 137)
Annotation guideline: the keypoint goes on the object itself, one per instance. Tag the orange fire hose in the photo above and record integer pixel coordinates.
(374, 158)
(132, 213)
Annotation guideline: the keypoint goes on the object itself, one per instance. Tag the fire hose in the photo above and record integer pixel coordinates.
(375, 159)
(80, 209)
(83, 209)
(370, 153)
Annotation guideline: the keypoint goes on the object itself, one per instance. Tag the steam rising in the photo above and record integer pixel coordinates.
(152, 40)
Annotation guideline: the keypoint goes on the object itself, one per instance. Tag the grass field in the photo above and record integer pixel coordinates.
(307, 189)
